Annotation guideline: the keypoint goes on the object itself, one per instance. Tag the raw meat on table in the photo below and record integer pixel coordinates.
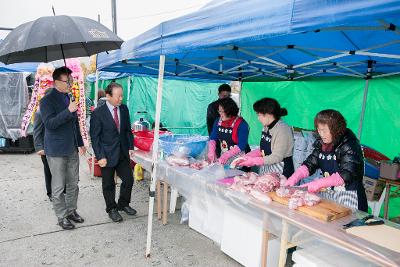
(311, 199)
(268, 182)
(177, 161)
(248, 181)
(298, 198)
(198, 165)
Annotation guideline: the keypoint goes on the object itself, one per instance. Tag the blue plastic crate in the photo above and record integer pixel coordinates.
(370, 170)
(183, 144)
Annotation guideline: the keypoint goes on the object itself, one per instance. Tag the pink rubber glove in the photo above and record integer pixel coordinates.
(212, 145)
(301, 173)
(252, 161)
(254, 153)
(229, 154)
(316, 185)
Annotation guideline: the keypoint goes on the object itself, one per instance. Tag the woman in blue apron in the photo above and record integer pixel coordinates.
(338, 154)
(276, 143)
(230, 132)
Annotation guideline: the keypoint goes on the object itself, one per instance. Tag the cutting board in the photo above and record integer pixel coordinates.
(325, 210)
(381, 235)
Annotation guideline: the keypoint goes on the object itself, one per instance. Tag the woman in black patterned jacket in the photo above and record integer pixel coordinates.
(337, 152)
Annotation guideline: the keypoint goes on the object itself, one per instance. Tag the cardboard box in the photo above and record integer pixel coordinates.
(373, 188)
(389, 170)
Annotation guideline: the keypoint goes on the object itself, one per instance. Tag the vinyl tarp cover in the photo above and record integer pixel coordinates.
(13, 102)
(304, 99)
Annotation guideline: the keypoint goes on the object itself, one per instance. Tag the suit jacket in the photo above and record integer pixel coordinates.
(107, 141)
(62, 134)
(38, 132)
(212, 115)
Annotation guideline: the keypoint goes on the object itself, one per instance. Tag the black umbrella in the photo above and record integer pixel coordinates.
(57, 37)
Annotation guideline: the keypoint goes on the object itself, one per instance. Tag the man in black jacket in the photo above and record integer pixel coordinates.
(61, 142)
(112, 141)
(224, 91)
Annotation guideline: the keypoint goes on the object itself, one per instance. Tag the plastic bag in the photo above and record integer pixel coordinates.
(184, 213)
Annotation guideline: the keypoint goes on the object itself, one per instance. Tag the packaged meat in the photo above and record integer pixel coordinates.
(177, 161)
(260, 196)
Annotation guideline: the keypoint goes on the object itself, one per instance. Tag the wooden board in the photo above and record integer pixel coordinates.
(326, 210)
(381, 235)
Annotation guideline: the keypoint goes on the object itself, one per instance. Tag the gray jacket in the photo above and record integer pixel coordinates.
(38, 132)
(282, 143)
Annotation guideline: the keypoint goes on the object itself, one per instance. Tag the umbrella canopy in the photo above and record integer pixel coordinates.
(55, 37)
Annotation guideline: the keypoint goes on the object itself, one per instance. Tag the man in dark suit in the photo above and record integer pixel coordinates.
(224, 91)
(112, 141)
(61, 141)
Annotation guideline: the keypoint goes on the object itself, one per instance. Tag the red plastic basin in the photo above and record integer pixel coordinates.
(144, 139)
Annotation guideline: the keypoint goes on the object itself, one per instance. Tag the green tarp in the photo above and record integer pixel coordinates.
(184, 104)
(304, 99)
(103, 84)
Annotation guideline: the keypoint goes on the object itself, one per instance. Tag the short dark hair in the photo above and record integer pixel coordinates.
(61, 71)
(224, 87)
(110, 87)
(334, 119)
(270, 106)
(229, 106)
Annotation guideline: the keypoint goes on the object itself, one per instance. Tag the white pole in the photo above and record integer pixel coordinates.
(155, 154)
(96, 91)
(364, 104)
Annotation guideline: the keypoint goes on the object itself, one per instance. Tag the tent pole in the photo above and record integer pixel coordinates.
(363, 109)
(155, 154)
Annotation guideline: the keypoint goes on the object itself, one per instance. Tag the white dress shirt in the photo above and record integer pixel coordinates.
(111, 108)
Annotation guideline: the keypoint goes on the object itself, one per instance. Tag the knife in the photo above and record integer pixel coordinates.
(302, 188)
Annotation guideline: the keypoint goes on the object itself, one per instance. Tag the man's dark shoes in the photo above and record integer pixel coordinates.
(114, 215)
(128, 210)
(66, 224)
(74, 216)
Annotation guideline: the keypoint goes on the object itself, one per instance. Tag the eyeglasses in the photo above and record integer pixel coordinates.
(68, 82)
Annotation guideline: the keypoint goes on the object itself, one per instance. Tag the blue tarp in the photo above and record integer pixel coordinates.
(236, 39)
(19, 67)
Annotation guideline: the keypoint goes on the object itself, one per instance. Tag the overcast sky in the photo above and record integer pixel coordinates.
(133, 16)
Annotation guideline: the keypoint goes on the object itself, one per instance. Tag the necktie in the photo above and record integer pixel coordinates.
(66, 99)
(116, 119)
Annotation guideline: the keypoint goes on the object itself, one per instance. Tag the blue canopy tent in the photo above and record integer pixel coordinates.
(286, 40)
(19, 67)
(104, 75)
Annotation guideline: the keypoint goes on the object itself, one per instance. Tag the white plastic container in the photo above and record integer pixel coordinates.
(242, 239)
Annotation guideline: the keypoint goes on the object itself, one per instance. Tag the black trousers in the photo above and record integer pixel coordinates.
(124, 171)
(47, 175)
